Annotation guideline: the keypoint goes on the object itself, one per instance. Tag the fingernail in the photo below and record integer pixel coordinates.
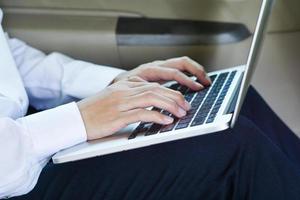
(207, 77)
(168, 120)
(181, 112)
(187, 105)
(200, 86)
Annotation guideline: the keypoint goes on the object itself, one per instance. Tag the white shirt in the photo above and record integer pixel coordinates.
(28, 75)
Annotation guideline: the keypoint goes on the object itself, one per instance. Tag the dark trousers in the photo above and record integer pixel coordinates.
(258, 159)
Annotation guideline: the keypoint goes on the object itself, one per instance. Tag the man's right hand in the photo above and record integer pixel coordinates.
(125, 102)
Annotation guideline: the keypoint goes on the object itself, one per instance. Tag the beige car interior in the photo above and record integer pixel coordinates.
(126, 33)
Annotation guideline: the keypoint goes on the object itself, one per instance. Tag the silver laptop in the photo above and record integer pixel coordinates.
(215, 108)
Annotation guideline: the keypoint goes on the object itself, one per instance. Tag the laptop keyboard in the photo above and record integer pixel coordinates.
(205, 105)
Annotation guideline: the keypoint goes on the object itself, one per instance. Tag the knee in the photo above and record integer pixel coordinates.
(248, 134)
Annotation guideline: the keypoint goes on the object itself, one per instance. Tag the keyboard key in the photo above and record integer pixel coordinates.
(133, 135)
(196, 99)
(175, 86)
(201, 115)
(210, 120)
(210, 100)
(167, 128)
(198, 122)
(214, 110)
(221, 98)
(181, 126)
(156, 109)
(212, 115)
(217, 105)
(189, 116)
(212, 78)
(141, 128)
(166, 113)
(184, 122)
(183, 89)
(189, 96)
(154, 129)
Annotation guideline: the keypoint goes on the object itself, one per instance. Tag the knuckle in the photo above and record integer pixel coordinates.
(176, 72)
(155, 85)
(201, 67)
(173, 106)
(201, 73)
(147, 68)
(157, 62)
(160, 118)
(149, 94)
(155, 88)
(180, 98)
(177, 93)
(185, 59)
(157, 116)
(123, 82)
(133, 78)
(140, 114)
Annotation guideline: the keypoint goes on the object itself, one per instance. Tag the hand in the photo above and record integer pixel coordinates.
(125, 102)
(172, 69)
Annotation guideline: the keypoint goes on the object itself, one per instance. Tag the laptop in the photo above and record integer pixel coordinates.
(214, 108)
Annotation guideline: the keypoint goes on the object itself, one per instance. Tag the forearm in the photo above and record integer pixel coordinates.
(54, 79)
(27, 144)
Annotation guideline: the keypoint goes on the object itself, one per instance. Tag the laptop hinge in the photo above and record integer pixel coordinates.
(232, 104)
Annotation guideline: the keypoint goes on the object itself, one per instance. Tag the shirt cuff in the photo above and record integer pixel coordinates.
(55, 129)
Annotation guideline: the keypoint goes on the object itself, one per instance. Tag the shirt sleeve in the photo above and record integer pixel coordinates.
(27, 143)
(54, 79)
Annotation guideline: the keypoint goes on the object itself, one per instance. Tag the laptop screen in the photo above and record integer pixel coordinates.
(258, 37)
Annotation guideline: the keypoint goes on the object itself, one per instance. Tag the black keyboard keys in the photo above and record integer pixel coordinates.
(175, 86)
(183, 124)
(209, 108)
(183, 89)
(219, 101)
(210, 100)
(141, 128)
(189, 96)
(212, 78)
(154, 129)
(169, 127)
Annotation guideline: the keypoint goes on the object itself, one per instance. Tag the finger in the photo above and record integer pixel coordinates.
(149, 99)
(191, 66)
(169, 74)
(136, 79)
(169, 93)
(143, 115)
(134, 82)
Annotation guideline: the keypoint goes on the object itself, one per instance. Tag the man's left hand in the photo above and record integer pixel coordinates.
(169, 70)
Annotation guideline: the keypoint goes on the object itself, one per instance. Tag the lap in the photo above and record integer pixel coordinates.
(228, 165)
(260, 114)
(241, 163)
